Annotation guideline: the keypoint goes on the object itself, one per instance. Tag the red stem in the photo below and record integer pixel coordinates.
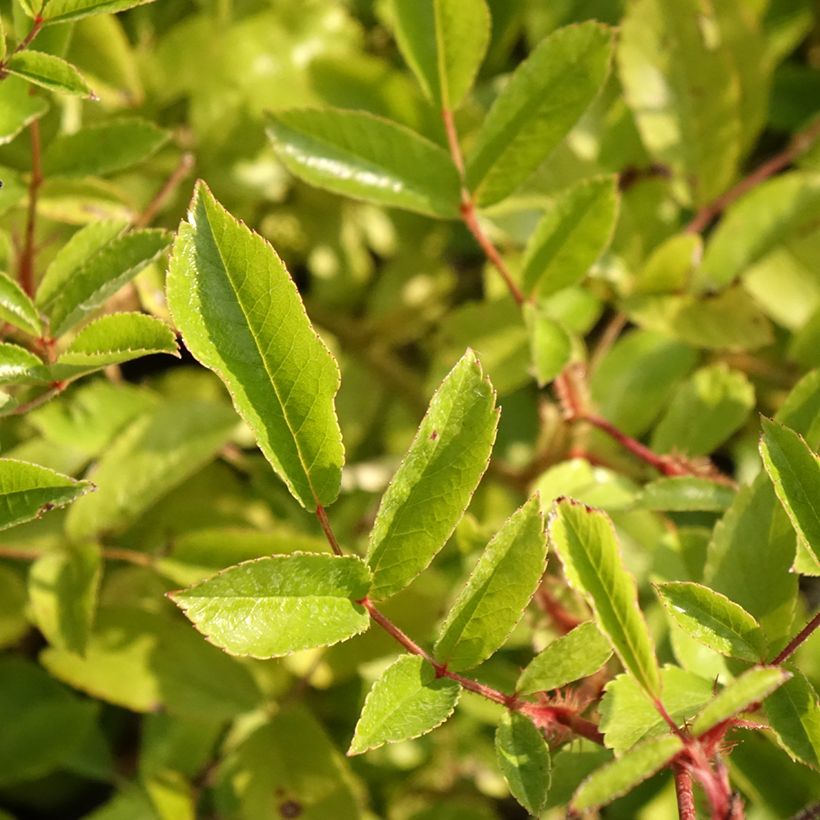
(797, 146)
(327, 529)
(186, 165)
(684, 793)
(801, 636)
(28, 254)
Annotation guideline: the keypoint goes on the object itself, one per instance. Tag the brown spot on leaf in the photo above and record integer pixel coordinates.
(290, 808)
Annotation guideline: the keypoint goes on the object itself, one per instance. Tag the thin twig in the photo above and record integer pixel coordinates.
(801, 142)
(35, 29)
(38, 401)
(183, 169)
(798, 639)
(29, 252)
(328, 530)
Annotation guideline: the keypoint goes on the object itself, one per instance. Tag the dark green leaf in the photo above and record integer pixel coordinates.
(524, 759)
(794, 715)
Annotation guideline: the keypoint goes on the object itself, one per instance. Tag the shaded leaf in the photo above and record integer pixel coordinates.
(13, 621)
(719, 398)
(794, 715)
(435, 481)
(18, 108)
(154, 454)
(72, 289)
(568, 658)
(550, 344)
(280, 604)
(63, 588)
(103, 148)
(571, 236)
(407, 701)
(443, 42)
(366, 157)
(524, 759)
(16, 308)
(622, 775)
(497, 591)
(676, 82)
(585, 541)
(685, 494)
(752, 686)
(714, 620)
(241, 315)
(795, 473)
(28, 491)
(544, 98)
(48, 71)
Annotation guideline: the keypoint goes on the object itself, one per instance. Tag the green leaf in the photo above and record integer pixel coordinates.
(435, 481)
(281, 604)
(795, 473)
(729, 320)
(407, 701)
(635, 379)
(28, 491)
(63, 589)
(629, 716)
(18, 108)
(61, 11)
(550, 344)
(593, 485)
(366, 157)
(667, 62)
(240, 315)
(287, 763)
(571, 236)
(13, 622)
(103, 148)
(497, 592)
(750, 555)
(524, 759)
(444, 42)
(622, 775)
(48, 71)
(671, 265)
(752, 686)
(719, 398)
(145, 661)
(756, 223)
(585, 541)
(45, 724)
(16, 308)
(571, 657)
(685, 494)
(20, 366)
(70, 292)
(714, 620)
(114, 339)
(154, 454)
(544, 98)
(794, 715)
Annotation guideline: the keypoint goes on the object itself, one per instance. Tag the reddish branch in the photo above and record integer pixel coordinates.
(801, 142)
(186, 165)
(684, 793)
(798, 639)
(27, 255)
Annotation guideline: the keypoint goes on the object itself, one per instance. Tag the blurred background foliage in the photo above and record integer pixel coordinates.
(175, 729)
